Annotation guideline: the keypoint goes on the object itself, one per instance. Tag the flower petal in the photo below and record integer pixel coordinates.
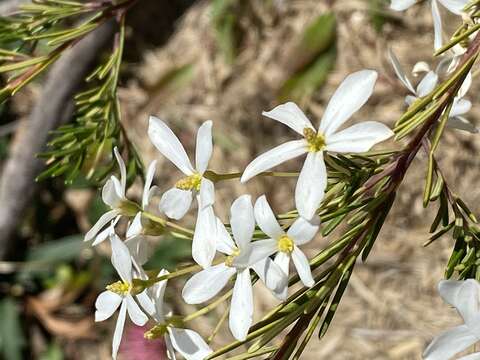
(449, 343)
(106, 304)
(189, 343)
(474, 356)
(273, 277)
(302, 231)
(134, 312)
(121, 260)
(204, 239)
(241, 308)
(311, 184)
(135, 227)
(168, 144)
(146, 303)
(242, 221)
(159, 295)
(148, 184)
(204, 149)
(117, 334)
(464, 296)
(105, 233)
(400, 5)
(274, 157)
(123, 171)
(175, 203)
(139, 249)
(454, 6)
(399, 71)
(266, 219)
(428, 83)
(349, 97)
(359, 137)
(283, 261)
(259, 250)
(104, 220)
(290, 115)
(207, 193)
(225, 243)
(303, 267)
(437, 25)
(460, 123)
(111, 193)
(207, 283)
(460, 107)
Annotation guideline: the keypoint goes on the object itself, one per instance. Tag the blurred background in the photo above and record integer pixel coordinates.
(227, 60)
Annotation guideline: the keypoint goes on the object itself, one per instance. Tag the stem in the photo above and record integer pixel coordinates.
(167, 224)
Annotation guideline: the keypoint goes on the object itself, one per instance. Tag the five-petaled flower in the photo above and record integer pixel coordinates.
(209, 282)
(350, 96)
(465, 297)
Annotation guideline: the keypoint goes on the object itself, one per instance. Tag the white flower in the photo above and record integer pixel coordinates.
(113, 195)
(119, 294)
(350, 96)
(284, 244)
(209, 282)
(465, 297)
(187, 342)
(454, 6)
(176, 201)
(460, 106)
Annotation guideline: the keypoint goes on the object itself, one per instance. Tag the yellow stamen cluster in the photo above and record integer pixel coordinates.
(316, 141)
(285, 244)
(120, 287)
(155, 332)
(191, 182)
(230, 258)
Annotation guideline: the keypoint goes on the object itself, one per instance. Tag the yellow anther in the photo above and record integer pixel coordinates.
(191, 182)
(230, 258)
(120, 288)
(316, 141)
(285, 244)
(155, 332)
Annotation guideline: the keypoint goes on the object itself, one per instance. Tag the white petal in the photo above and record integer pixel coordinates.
(123, 171)
(175, 203)
(104, 220)
(350, 96)
(465, 86)
(134, 312)
(302, 231)
(359, 137)
(105, 233)
(474, 356)
(242, 220)
(399, 71)
(168, 144)
(460, 123)
(207, 193)
(241, 308)
(290, 115)
(148, 184)
(135, 228)
(302, 266)
(121, 258)
(274, 157)
(139, 249)
(455, 6)
(106, 304)
(427, 84)
(204, 239)
(273, 277)
(225, 243)
(266, 219)
(189, 343)
(117, 334)
(259, 250)
(111, 193)
(283, 261)
(311, 184)
(170, 349)
(207, 283)
(159, 295)
(449, 343)
(409, 99)
(146, 302)
(464, 296)
(400, 5)
(460, 107)
(437, 25)
(420, 67)
(204, 149)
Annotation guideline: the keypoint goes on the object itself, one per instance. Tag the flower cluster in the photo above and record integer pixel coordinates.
(267, 252)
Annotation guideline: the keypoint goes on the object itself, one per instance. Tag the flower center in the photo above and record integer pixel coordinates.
(120, 287)
(155, 332)
(316, 142)
(191, 182)
(230, 258)
(285, 244)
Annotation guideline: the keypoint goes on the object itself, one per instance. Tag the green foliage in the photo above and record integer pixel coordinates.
(12, 340)
(225, 14)
(169, 253)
